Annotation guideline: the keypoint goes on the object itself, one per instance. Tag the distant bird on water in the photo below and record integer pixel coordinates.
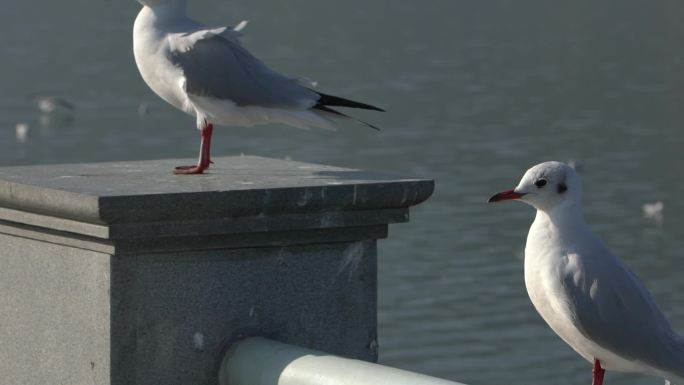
(51, 104)
(208, 73)
(590, 298)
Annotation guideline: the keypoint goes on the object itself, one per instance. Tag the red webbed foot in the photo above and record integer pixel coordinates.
(205, 158)
(188, 170)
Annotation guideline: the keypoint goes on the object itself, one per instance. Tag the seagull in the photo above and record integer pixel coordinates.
(21, 132)
(52, 104)
(209, 74)
(583, 291)
(654, 210)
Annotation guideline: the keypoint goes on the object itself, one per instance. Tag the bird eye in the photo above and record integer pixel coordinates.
(540, 183)
(562, 188)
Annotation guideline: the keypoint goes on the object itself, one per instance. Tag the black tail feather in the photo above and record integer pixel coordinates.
(329, 110)
(335, 101)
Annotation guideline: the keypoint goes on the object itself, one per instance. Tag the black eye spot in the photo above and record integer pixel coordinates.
(540, 183)
(562, 188)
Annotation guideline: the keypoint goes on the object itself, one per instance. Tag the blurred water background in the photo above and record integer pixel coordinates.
(476, 92)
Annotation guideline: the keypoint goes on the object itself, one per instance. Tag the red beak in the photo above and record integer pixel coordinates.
(505, 196)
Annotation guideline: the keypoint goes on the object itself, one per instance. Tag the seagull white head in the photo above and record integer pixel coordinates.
(546, 186)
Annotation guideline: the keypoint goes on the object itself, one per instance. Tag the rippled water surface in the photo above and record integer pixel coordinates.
(476, 91)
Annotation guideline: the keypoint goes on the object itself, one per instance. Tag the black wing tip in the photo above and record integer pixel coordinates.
(329, 110)
(376, 128)
(336, 101)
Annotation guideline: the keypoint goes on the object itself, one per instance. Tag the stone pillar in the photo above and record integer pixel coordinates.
(122, 273)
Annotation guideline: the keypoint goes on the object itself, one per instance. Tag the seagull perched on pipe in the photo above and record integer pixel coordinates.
(590, 298)
(209, 74)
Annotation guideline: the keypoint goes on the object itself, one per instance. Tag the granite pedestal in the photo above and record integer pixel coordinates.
(122, 273)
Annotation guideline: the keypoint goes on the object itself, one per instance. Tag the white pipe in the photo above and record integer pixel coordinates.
(258, 361)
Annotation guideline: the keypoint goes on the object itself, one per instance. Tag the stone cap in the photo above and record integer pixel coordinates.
(238, 194)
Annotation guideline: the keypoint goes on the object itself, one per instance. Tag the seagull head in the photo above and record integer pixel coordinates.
(546, 186)
(153, 3)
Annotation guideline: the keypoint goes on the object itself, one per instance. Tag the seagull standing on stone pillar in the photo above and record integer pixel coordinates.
(208, 73)
(590, 298)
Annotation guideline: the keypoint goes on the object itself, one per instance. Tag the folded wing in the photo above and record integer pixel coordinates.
(616, 311)
(216, 65)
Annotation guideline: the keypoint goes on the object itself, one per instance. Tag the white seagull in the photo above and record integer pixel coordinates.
(209, 74)
(590, 298)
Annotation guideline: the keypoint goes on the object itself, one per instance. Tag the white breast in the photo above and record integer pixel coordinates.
(151, 51)
(543, 283)
(547, 265)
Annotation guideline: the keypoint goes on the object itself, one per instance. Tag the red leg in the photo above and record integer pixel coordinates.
(207, 144)
(598, 373)
(204, 157)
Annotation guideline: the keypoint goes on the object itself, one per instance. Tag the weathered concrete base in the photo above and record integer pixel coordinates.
(182, 310)
(54, 314)
(120, 284)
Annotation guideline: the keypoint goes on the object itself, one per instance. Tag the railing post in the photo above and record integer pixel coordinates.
(122, 273)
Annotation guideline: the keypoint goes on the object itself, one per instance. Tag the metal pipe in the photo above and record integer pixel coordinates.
(259, 361)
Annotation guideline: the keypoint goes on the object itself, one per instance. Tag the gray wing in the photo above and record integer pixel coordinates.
(616, 311)
(219, 67)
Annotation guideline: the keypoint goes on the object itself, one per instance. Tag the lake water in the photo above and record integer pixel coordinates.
(476, 92)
